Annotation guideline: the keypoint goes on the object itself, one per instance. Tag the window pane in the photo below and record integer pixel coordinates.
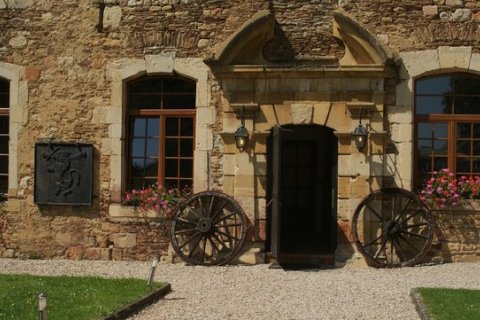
(186, 147)
(4, 145)
(136, 183)
(142, 101)
(171, 126)
(463, 165)
(468, 105)
(4, 184)
(476, 130)
(172, 85)
(171, 183)
(171, 168)
(476, 148)
(464, 130)
(4, 86)
(149, 85)
(153, 127)
(139, 127)
(425, 164)
(151, 168)
(433, 105)
(440, 163)
(136, 169)
(440, 130)
(171, 147)
(424, 147)
(149, 182)
(138, 147)
(176, 101)
(440, 147)
(465, 84)
(464, 147)
(4, 100)
(476, 165)
(186, 127)
(438, 85)
(4, 164)
(152, 147)
(4, 125)
(185, 183)
(186, 168)
(424, 130)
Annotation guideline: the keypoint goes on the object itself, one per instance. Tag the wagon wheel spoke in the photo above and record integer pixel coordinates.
(208, 228)
(408, 243)
(398, 249)
(392, 228)
(374, 241)
(194, 247)
(415, 235)
(190, 240)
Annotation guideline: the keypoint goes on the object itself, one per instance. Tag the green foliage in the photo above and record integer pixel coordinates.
(446, 304)
(72, 298)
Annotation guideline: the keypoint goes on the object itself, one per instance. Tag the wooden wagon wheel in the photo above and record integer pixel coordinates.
(208, 228)
(392, 228)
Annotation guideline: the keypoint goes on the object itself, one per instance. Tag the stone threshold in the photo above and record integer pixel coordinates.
(419, 305)
(139, 304)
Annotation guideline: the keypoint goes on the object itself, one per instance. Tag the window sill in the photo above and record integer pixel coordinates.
(120, 213)
(466, 206)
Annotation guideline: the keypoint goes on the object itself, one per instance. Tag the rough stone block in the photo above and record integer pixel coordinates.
(430, 10)
(302, 113)
(418, 62)
(74, 253)
(475, 62)
(454, 57)
(112, 15)
(160, 63)
(123, 240)
(16, 4)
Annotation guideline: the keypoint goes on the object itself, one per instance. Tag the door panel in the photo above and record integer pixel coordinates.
(303, 189)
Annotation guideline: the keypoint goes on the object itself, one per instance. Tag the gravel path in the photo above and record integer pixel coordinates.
(257, 292)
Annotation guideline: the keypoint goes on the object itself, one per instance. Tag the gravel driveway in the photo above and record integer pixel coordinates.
(257, 292)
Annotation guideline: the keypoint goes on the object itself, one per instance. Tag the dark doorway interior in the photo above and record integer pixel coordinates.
(303, 220)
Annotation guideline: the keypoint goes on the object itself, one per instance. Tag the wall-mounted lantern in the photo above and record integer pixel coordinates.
(360, 134)
(241, 135)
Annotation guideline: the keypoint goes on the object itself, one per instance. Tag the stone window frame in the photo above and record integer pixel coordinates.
(17, 118)
(415, 65)
(120, 72)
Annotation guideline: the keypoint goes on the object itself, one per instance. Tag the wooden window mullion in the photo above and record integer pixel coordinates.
(161, 151)
(452, 146)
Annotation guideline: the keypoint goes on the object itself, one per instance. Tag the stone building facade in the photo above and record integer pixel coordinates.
(305, 63)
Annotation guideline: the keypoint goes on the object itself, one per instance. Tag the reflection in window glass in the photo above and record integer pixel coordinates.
(439, 85)
(434, 104)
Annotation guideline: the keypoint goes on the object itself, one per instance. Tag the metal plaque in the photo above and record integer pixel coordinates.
(63, 173)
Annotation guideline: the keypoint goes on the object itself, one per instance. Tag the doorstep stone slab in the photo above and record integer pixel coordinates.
(139, 304)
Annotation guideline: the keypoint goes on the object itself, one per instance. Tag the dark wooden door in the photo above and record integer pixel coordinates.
(303, 190)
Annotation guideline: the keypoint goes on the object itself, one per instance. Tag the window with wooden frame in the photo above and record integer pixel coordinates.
(4, 135)
(161, 131)
(447, 125)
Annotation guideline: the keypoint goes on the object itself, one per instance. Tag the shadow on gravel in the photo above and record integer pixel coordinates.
(301, 267)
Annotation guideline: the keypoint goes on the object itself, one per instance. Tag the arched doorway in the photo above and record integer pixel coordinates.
(302, 177)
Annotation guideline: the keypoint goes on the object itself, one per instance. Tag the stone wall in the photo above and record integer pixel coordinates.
(64, 50)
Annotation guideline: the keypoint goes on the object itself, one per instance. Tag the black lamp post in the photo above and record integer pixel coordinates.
(241, 135)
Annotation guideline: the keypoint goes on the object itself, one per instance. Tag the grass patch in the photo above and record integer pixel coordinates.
(447, 304)
(73, 298)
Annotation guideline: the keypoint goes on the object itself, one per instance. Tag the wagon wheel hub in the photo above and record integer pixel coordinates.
(204, 225)
(393, 228)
